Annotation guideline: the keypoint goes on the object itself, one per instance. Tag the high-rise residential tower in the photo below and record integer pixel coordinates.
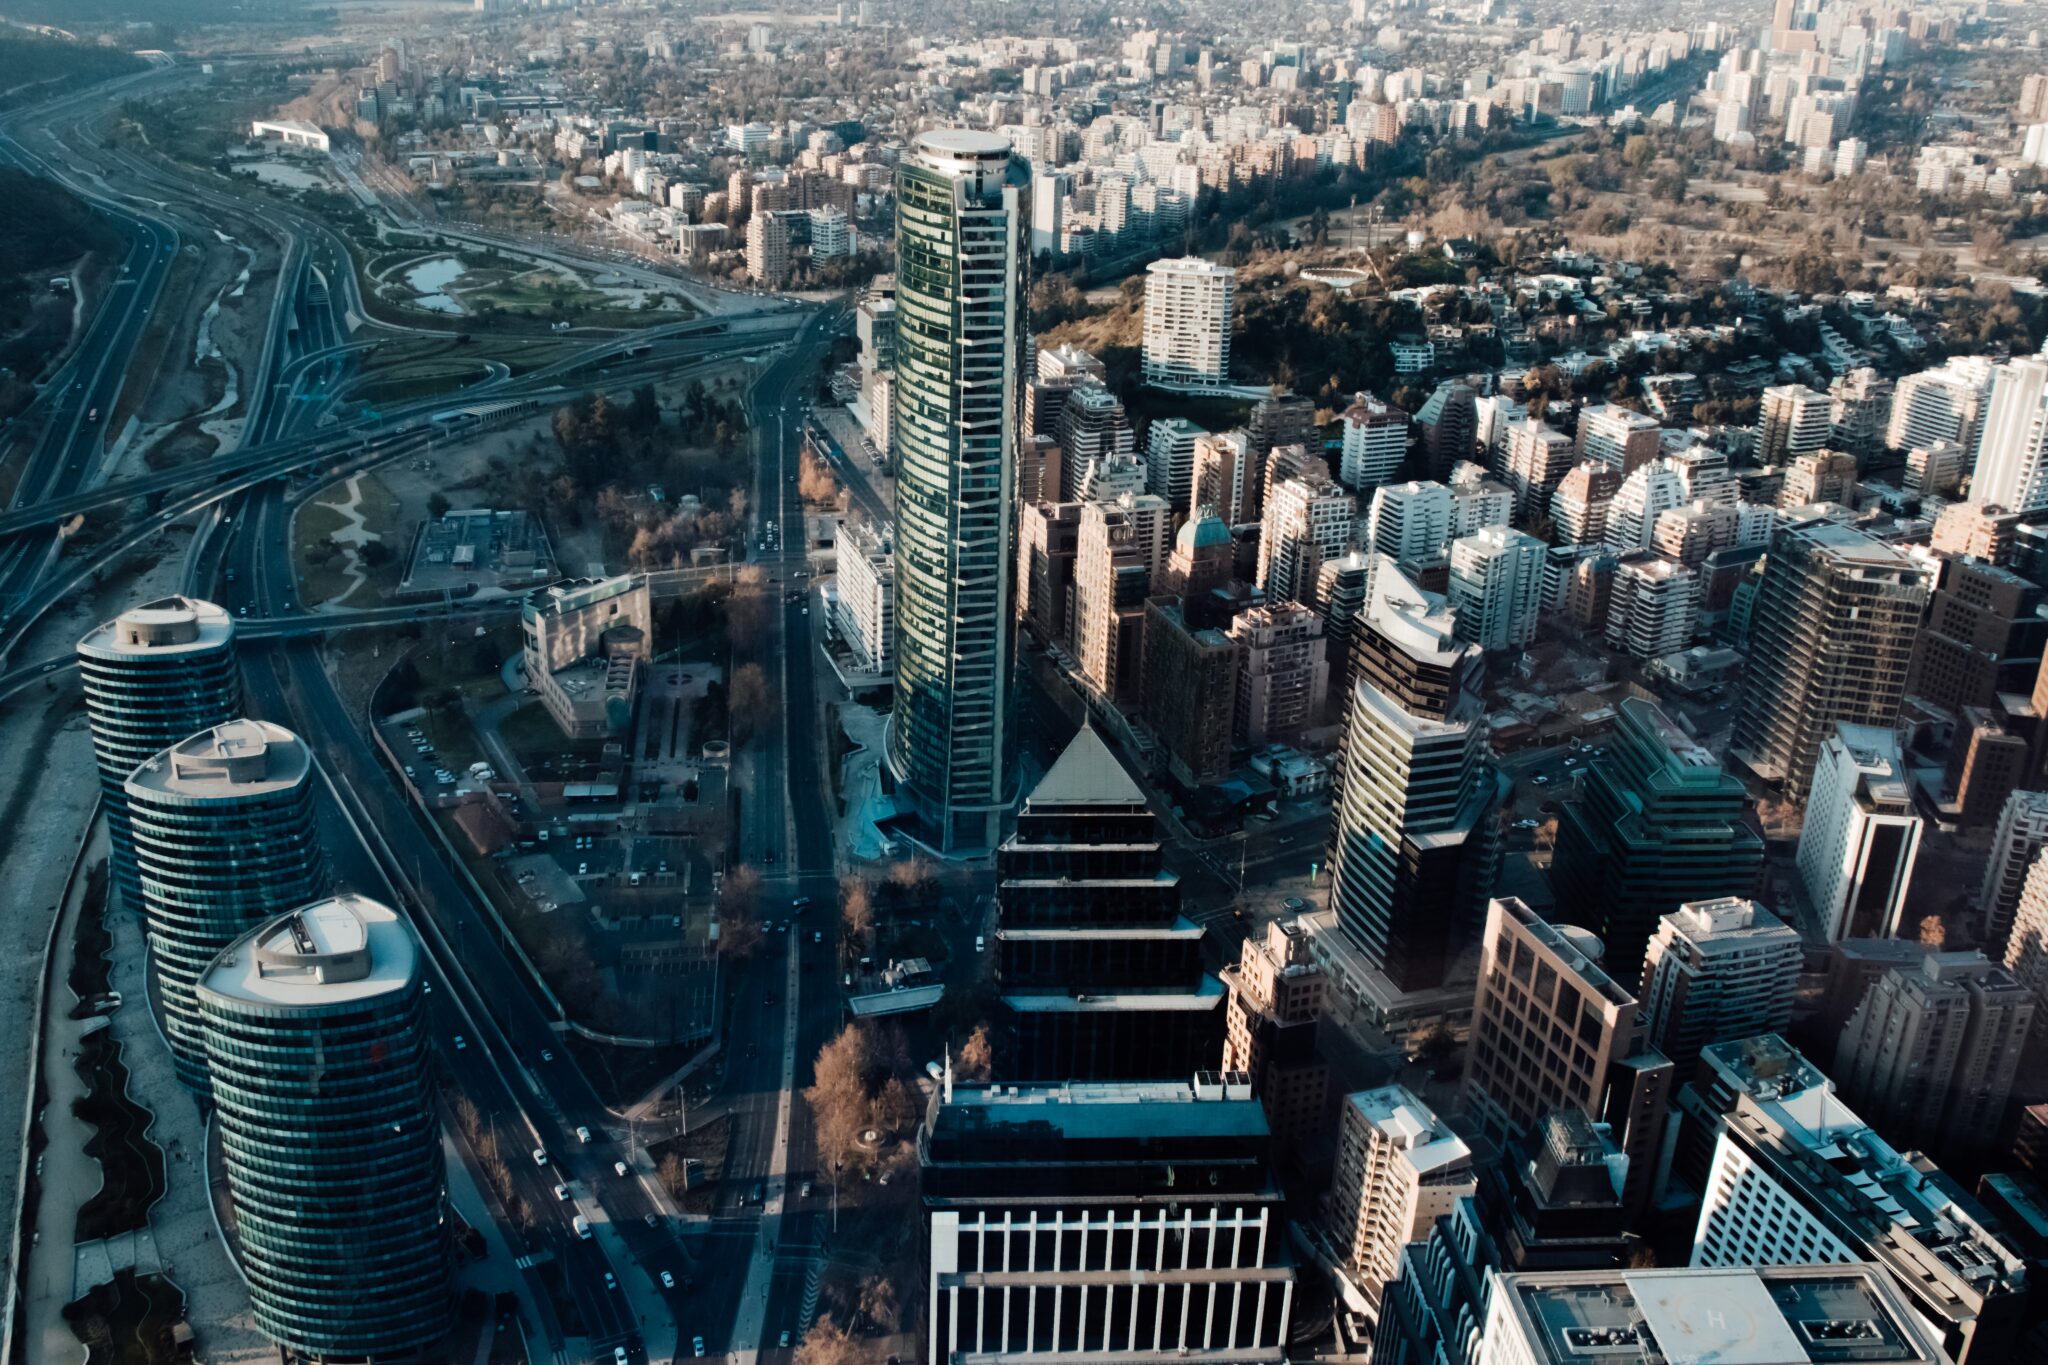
(1399, 1169)
(1861, 836)
(2012, 446)
(153, 675)
(960, 232)
(224, 840)
(1187, 323)
(1718, 970)
(316, 1042)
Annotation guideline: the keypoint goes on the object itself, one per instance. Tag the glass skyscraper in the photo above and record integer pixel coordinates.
(224, 840)
(960, 230)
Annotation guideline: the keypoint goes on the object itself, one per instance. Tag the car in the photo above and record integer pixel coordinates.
(460, 1042)
(1540, 780)
(980, 943)
(935, 1071)
(611, 1281)
(562, 1194)
(760, 1191)
(583, 869)
(540, 1156)
(784, 1342)
(696, 1346)
(668, 1281)
(583, 1135)
(621, 1169)
(548, 1056)
(806, 1190)
(618, 1355)
(817, 935)
(797, 906)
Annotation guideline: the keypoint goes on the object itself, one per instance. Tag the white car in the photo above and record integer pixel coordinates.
(618, 1355)
(668, 1281)
(460, 1042)
(583, 1135)
(562, 1194)
(621, 1168)
(540, 1156)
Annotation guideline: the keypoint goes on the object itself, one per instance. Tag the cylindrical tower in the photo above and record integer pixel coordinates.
(316, 1043)
(224, 840)
(153, 675)
(959, 338)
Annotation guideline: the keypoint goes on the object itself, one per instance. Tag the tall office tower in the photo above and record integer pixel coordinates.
(1048, 538)
(1227, 477)
(1550, 1028)
(1375, 443)
(1649, 491)
(1932, 1051)
(1661, 824)
(224, 840)
(2012, 448)
(1942, 404)
(1792, 421)
(1861, 836)
(1202, 557)
(1985, 633)
(1413, 847)
(1496, 587)
(1018, 1178)
(1399, 1169)
(153, 675)
(1276, 994)
(2021, 835)
(316, 1042)
(1795, 1178)
(1283, 676)
(1718, 970)
(1783, 1315)
(1537, 457)
(1187, 323)
(959, 298)
(1651, 607)
(1099, 972)
(1093, 430)
(1618, 438)
(1189, 696)
(1818, 476)
(1831, 635)
(1307, 523)
(1049, 193)
(1583, 502)
(1121, 546)
(1449, 427)
(1410, 523)
(1859, 409)
(1170, 461)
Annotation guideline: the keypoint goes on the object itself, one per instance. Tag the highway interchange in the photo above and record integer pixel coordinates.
(739, 1274)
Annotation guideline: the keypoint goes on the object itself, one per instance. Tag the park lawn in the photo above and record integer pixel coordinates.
(323, 579)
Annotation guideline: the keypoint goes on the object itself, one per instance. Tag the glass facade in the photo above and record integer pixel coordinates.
(959, 321)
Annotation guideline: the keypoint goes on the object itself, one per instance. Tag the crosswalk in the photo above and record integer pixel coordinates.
(532, 1259)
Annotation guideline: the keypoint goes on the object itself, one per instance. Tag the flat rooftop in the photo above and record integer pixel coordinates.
(235, 760)
(344, 950)
(169, 625)
(1213, 1105)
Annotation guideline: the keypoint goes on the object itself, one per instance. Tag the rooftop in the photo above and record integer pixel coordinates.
(1086, 774)
(1213, 1104)
(240, 758)
(1413, 1127)
(166, 626)
(339, 951)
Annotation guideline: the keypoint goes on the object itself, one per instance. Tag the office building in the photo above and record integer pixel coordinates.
(1017, 1179)
(1792, 421)
(1189, 694)
(1283, 678)
(1660, 824)
(1986, 627)
(1413, 845)
(1617, 438)
(1375, 436)
(1307, 523)
(1580, 507)
(2015, 847)
(1795, 1178)
(1861, 836)
(1550, 1029)
(224, 840)
(1121, 546)
(960, 229)
(316, 1043)
(1944, 404)
(1755, 1315)
(1399, 1169)
(1202, 559)
(1831, 637)
(585, 640)
(1448, 426)
(866, 574)
(1170, 461)
(1099, 972)
(1718, 970)
(2011, 469)
(1276, 993)
(152, 676)
(1186, 341)
(1496, 588)
(1932, 1051)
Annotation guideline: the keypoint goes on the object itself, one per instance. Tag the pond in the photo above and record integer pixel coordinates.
(430, 280)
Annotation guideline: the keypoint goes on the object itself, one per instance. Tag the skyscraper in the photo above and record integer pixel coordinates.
(1716, 971)
(2021, 835)
(959, 299)
(1122, 546)
(1307, 523)
(1375, 443)
(1399, 1169)
(1861, 836)
(1187, 323)
(1660, 824)
(224, 840)
(1099, 972)
(316, 1042)
(1831, 638)
(1412, 846)
(2012, 446)
(1449, 427)
(153, 675)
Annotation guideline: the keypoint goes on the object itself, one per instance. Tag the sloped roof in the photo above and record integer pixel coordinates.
(1087, 774)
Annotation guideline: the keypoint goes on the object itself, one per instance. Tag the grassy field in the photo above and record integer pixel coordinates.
(324, 563)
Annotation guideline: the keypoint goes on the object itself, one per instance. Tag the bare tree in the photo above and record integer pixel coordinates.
(749, 703)
(976, 1059)
(739, 919)
(856, 910)
(1933, 932)
(827, 1343)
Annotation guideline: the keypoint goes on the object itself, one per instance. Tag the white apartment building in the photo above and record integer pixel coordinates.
(1652, 608)
(1496, 587)
(1170, 461)
(1794, 420)
(1861, 835)
(1409, 523)
(1646, 494)
(1307, 523)
(1718, 970)
(2022, 834)
(1941, 404)
(1399, 1168)
(2012, 447)
(1375, 443)
(1617, 437)
(1187, 323)
(866, 577)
